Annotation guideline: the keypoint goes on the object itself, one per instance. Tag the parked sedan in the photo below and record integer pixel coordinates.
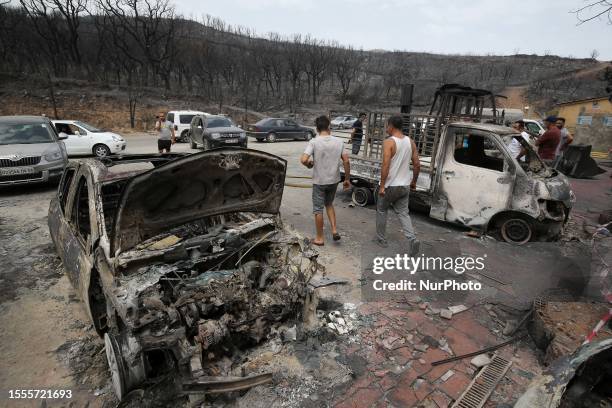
(343, 122)
(273, 129)
(210, 131)
(84, 139)
(30, 150)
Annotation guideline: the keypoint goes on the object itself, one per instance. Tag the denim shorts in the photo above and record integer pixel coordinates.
(322, 196)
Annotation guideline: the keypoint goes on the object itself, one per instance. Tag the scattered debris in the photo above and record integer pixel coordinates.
(457, 309)
(480, 361)
(475, 353)
(447, 375)
(559, 328)
(447, 314)
(421, 347)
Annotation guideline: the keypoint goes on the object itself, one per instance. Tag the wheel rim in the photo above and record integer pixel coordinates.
(308, 136)
(101, 151)
(360, 197)
(115, 364)
(271, 137)
(516, 231)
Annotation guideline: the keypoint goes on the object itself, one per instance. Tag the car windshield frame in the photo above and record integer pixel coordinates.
(218, 122)
(87, 126)
(6, 127)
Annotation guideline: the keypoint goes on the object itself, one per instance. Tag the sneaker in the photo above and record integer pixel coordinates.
(415, 247)
(381, 242)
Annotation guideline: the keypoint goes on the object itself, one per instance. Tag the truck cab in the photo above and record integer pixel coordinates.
(478, 183)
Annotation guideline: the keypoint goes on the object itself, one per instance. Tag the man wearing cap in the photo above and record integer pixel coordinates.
(548, 142)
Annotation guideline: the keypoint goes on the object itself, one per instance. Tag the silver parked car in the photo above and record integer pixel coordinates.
(30, 150)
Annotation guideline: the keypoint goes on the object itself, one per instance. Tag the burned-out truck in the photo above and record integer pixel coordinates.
(469, 175)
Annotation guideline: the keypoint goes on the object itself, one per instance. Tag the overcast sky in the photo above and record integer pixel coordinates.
(437, 26)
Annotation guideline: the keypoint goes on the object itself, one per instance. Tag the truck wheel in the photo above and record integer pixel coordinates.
(362, 196)
(516, 230)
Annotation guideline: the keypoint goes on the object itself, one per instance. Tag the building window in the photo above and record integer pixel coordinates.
(584, 120)
(607, 121)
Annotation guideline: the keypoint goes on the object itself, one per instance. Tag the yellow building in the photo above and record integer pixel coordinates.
(585, 112)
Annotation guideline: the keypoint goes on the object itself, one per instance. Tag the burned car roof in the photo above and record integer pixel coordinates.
(487, 127)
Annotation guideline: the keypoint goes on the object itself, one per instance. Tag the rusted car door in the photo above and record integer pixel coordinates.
(475, 179)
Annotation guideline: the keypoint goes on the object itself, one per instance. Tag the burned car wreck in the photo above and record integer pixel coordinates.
(182, 261)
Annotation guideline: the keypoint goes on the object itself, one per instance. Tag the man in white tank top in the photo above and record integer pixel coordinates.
(396, 181)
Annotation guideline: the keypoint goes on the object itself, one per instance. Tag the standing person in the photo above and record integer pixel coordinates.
(548, 142)
(515, 147)
(396, 182)
(167, 137)
(566, 138)
(357, 134)
(324, 153)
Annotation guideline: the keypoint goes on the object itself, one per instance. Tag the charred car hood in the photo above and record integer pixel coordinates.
(199, 185)
(559, 189)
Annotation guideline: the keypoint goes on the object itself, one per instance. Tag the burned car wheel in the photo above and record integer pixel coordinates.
(362, 196)
(516, 230)
(125, 375)
(116, 365)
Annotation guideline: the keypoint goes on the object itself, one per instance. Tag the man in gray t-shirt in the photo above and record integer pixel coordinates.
(323, 154)
(166, 137)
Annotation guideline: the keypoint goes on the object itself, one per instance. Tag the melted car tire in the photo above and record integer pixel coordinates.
(271, 137)
(516, 230)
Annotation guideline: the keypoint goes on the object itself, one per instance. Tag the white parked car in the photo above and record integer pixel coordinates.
(535, 127)
(182, 121)
(84, 139)
(343, 122)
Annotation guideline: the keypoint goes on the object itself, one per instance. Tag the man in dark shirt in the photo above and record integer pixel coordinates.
(548, 142)
(357, 135)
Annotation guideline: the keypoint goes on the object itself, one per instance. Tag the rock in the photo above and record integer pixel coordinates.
(418, 383)
(423, 305)
(457, 309)
(480, 360)
(445, 313)
(447, 375)
(488, 306)
(422, 361)
(432, 311)
(421, 347)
